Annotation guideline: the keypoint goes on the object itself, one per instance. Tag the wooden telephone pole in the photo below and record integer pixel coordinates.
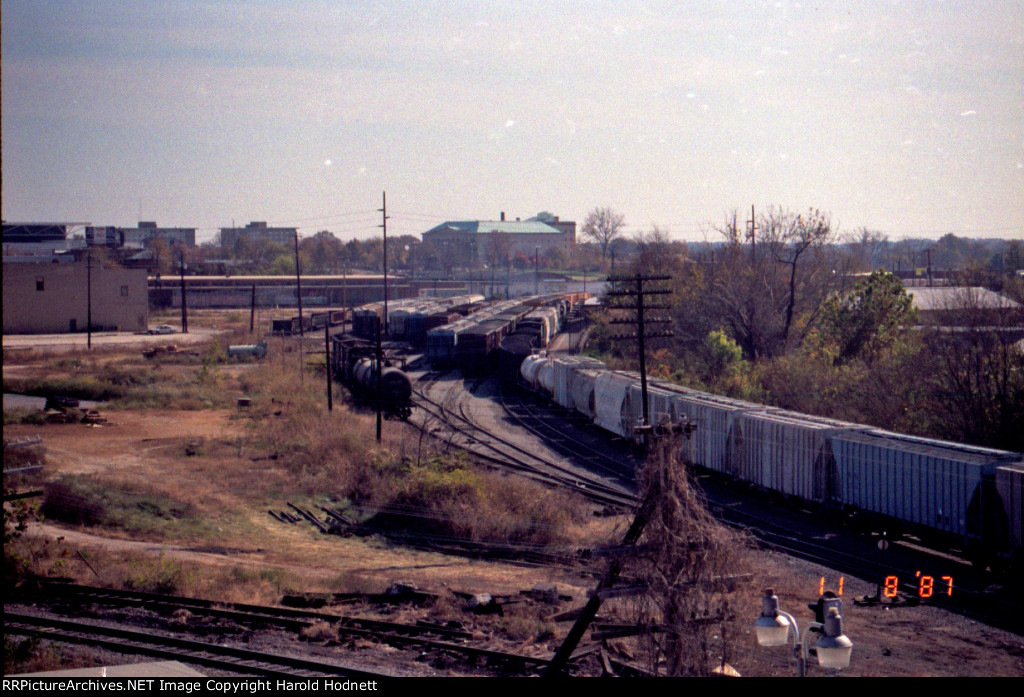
(634, 287)
(382, 323)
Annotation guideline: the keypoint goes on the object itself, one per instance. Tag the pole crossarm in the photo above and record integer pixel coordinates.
(639, 291)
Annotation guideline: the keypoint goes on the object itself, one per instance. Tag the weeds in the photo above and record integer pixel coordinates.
(159, 575)
(80, 500)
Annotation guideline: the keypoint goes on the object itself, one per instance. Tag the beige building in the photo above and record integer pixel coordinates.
(52, 297)
(468, 241)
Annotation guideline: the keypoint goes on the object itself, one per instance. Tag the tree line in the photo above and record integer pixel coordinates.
(800, 316)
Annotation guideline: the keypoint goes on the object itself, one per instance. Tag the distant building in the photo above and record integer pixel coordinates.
(103, 236)
(52, 297)
(141, 236)
(470, 238)
(33, 239)
(256, 230)
(955, 305)
(18, 233)
(147, 231)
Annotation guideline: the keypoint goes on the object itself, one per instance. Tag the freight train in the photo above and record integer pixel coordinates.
(463, 332)
(473, 344)
(354, 363)
(950, 495)
(308, 323)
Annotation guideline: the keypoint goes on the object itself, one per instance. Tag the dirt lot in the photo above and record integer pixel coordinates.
(205, 461)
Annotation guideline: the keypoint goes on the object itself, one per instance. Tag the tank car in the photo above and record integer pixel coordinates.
(395, 387)
(354, 362)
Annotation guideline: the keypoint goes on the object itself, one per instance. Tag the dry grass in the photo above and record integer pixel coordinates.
(220, 470)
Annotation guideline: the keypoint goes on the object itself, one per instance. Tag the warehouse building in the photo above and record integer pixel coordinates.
(54, 295)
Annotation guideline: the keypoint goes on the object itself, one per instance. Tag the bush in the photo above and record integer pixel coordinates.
(81, 500)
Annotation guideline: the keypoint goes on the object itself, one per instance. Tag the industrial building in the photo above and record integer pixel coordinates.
(147, 231)
(34, 239)
(57, 294)
(469, 240)
(257, 230)
(953, 305)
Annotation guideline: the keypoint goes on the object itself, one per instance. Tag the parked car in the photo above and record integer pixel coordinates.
(162, 329)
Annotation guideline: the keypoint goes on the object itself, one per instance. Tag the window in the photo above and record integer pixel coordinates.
(124, 291)
(40, 285)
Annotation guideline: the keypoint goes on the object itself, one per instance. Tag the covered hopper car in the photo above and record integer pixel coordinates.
(951, 495)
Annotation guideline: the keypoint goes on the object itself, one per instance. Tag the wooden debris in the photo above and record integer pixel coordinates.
(310, 517)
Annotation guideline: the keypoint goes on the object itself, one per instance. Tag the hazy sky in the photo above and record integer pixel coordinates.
(905, 117)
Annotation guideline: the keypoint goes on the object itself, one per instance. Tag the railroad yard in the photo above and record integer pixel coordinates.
(221, 518)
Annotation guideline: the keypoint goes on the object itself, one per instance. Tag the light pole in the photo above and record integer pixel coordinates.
(833, 648)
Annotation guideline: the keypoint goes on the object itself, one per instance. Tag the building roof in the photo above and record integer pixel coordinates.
(486, 226)
(954, 297)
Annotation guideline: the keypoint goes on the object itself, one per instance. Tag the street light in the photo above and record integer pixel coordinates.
(833, 648)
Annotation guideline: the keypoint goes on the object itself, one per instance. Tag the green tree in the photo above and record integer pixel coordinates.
(867, 319)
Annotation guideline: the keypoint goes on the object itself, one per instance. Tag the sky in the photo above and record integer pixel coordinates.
(904, 117)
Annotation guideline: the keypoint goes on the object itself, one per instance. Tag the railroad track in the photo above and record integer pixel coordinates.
(461, 430)
(156, 645)
(973, 596)
(61, 598)
(552, 428)
(797, 536)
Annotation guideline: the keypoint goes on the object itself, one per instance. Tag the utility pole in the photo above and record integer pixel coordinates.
(639, 292)
(184, 301)
(344, 291)
(558, 662)
(88, 301)
(384, 225)
(252, 310)
(327, 365)
(752, 228)
(298, 282)
(380, 384)
(383, 321)
(298, 297)
(536, 270)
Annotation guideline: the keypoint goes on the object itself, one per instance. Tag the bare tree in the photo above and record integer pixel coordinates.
(868, 248)
(979, 380)
(789, 237)
(499, 249)
(603, 225)
(768, 294)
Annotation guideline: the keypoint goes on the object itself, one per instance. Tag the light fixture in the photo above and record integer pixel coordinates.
(833, 649)
(772, 627)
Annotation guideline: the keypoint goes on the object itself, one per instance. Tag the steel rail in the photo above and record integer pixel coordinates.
(381, 631)
(590, 488)
(175, 648)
